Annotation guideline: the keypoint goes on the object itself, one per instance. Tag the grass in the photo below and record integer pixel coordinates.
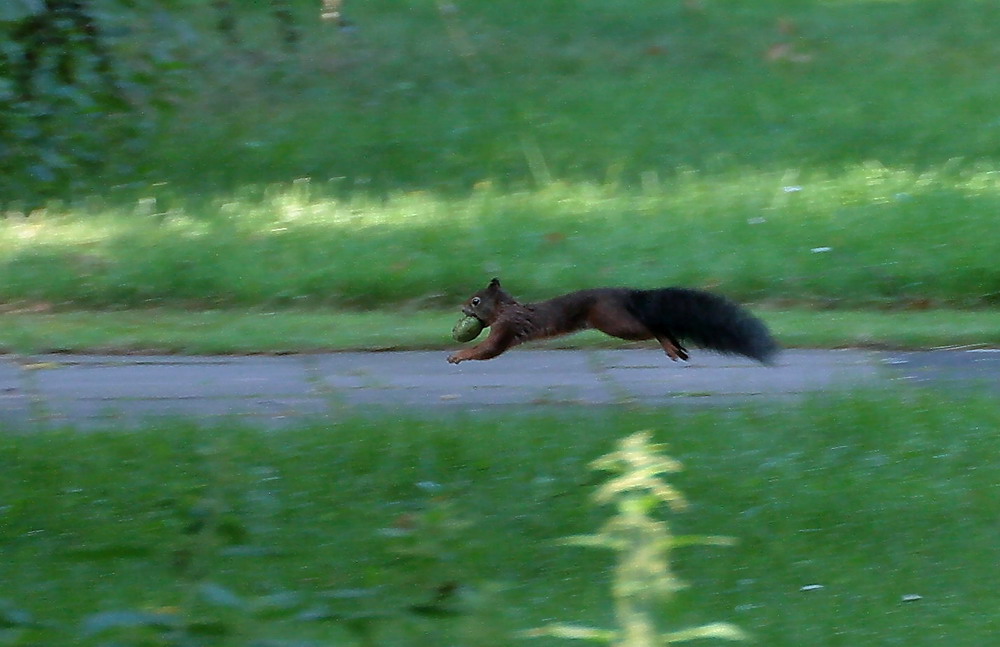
(420, 98)
(834, 153)
(225, 331)
(234, 331)
(828, 240)
(845, 508)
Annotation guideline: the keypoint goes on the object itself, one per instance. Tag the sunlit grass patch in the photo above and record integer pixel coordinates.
(867, 235)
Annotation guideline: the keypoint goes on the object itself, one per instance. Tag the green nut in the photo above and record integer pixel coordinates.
(467, 329)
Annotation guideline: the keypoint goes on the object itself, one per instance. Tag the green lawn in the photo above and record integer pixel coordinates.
(865, 519)
(832, 153)
(433, 97)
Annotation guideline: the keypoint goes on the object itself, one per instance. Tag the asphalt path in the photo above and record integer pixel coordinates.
(96, 391)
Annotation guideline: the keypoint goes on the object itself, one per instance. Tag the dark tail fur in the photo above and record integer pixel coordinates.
(707, 319)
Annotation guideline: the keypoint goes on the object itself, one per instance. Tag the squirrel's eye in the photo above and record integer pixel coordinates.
(475, 301)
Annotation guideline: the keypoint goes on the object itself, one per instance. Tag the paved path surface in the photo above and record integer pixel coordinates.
(108, 391)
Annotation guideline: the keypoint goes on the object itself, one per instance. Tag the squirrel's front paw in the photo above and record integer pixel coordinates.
(454, 359)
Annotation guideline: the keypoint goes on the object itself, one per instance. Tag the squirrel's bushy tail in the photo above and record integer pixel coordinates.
(709, 320)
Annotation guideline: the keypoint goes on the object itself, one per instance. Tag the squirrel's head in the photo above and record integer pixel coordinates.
(486, 304)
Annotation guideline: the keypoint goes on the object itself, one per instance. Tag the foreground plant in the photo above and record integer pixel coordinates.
(643, 579)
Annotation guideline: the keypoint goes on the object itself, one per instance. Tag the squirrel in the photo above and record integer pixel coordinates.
(668, 315)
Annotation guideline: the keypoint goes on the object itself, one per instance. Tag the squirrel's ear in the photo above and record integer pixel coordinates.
(495, 283)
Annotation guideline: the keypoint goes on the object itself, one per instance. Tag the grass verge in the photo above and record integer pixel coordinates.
(864, 519)
(299, 331)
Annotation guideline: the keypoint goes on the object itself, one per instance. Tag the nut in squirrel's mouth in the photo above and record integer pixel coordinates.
(466, 312)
